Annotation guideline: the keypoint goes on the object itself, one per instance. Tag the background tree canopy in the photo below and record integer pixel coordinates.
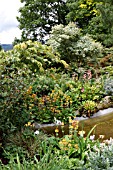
(92, 16)
(38, 16)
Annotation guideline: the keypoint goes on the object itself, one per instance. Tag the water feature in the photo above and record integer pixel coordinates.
(104, 119)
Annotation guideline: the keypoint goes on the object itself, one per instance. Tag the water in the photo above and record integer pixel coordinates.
(104, 119)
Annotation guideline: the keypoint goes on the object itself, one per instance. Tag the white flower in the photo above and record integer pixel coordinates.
(92, 137)
(36, 132)
(57, 122)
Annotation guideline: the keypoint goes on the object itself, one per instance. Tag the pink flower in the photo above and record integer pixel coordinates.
(89, 74)
(84, 76)
(82, 90)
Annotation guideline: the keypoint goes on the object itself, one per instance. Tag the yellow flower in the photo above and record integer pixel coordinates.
(69, 144)
(70, 127)
(53, 91)
(75, 124)
(76, 146)
(62, 123)
(81, 133)
(56, 130)
(70, 120)
(71, 101)
(101, 136)
(64, 142)
(28, 124)
(83, 6)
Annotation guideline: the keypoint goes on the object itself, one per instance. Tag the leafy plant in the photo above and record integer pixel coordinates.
(72, 45)
(89, 107)
(108, 87)
(14, 111)
(57, 105)
(32, 56)
(76, 145)
(101, 158)
(25, 142)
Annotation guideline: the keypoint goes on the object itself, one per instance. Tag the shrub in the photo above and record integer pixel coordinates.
(17, 72)
(14, 112)
(88, 50)
(59, 96)
(32, 56)
(72, 45)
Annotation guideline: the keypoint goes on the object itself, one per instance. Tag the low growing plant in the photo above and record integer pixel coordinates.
(76, 144)
(101, 158)
(108, 86)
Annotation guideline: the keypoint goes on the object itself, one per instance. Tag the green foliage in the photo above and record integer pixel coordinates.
(101, 26)
(0, 47)
(89, 106)
(75, 145)
(26, 143)
(99, 31)
(81, 11)
(13, 108)
(38, 16)
(94, 17)
(59, 95)
(88, 50)
(32, 56)
(17, 67)
(108, 70)
(49, 161)
(72, 45)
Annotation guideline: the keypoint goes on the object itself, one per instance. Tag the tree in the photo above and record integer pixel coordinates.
(95, 17)
(106, 13)
(0, 47)
(81, 11)
(38, 16)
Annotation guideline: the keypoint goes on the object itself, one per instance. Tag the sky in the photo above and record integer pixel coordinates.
(8, 22)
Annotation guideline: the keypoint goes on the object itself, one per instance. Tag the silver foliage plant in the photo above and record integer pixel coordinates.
(72, 45)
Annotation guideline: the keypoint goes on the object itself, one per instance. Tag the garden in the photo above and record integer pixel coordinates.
(68, 77)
